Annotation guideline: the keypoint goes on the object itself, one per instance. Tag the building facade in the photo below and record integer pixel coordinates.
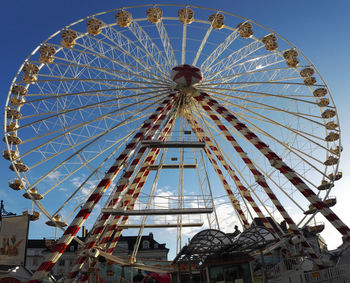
(148, 249)
(37, 248)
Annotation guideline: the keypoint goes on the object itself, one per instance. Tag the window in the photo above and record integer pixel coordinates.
(122, 245)
(145, 245)
(61, 262)
(35, 261)
(71, 248)
(155, 245)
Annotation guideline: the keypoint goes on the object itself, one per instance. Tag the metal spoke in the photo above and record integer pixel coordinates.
(199, 51)
(117, 43)
(183, 49)
(232, 59)
(85, 107)
(269, 107)
(166, 44)
(209, 61)
(148, 45)
(121, 141)
(55, 168)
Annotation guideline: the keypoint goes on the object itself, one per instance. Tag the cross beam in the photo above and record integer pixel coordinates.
(173, 144)
(113, 211)
(167, 225)
(173, 166)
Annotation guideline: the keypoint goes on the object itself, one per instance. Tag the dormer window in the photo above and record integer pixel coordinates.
(145, 245)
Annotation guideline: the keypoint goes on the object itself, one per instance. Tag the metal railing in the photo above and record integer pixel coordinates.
(336, 274)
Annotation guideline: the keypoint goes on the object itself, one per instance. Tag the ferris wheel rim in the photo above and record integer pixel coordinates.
(165, 86)
(97, 14)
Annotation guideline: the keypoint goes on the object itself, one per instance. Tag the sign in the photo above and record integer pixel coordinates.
(13, 240)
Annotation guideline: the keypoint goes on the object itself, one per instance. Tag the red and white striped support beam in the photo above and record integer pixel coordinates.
(136, 187)
(139, 179)
(243, 190)
(120, 187)
(206, 102)
(279, 164)
(113, 225)
(235, 203)
(57, 250)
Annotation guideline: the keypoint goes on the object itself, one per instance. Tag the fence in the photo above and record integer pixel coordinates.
(337, 274)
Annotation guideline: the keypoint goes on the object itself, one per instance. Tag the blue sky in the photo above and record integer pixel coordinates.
(318, 28)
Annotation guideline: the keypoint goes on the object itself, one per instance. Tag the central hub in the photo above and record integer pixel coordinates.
(186, 76)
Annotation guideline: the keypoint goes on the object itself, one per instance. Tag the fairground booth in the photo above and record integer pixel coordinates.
(213, 256)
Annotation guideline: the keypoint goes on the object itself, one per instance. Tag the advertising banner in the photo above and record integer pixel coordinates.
(13, 240)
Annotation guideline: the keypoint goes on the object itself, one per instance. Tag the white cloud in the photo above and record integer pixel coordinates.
(53, 175)
(88, 186)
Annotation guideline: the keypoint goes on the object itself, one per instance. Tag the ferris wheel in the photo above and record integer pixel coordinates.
(170, 106)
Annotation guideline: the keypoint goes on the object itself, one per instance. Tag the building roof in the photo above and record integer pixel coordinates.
(131, 240)
(36, 244)
(277, 227)
(211, 243)
(203, 244)
(47, 243)
(254, 238)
